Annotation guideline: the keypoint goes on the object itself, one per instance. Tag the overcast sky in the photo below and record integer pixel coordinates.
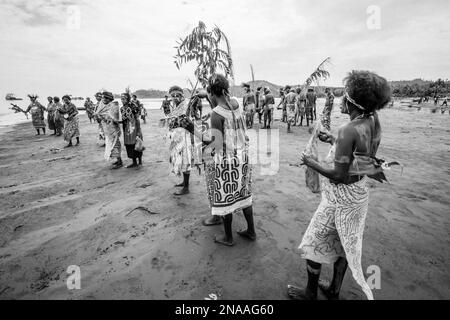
(131, 43)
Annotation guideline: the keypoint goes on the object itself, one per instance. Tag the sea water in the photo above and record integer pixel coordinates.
(8, 117)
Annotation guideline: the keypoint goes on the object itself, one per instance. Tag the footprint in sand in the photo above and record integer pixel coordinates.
(161, 260)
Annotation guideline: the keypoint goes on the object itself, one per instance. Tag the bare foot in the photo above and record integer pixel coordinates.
(247, 234)
(324, 286)
(117, 165)
(224, 240)
(296, 293)
(182, 192)
(212, 221)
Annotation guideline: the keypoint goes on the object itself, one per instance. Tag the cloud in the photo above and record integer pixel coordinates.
(132, 43)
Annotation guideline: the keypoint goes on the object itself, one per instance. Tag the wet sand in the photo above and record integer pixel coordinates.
(62, 207)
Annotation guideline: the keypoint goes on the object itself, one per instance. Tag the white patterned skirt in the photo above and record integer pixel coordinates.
(336, 229)
(229, 186)
(71, 129)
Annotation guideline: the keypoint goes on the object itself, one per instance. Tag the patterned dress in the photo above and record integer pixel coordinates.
(71, 129)
(131, 128)
(110, 116)
(290, 106)
(185, 148)
(228, 173)
(101, 132)
(327, 111)
(37, 114)
(337, 227)
(89, 106)
(301, 104)
(51, 108)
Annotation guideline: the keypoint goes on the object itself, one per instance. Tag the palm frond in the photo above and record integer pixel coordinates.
(204, 47)
(319, 73)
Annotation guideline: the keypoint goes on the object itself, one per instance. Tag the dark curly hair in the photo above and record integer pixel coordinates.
(368, 90)
(217, 84)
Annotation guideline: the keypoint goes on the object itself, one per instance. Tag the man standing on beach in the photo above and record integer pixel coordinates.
(101, 133)
(310, 105)
(249, 105)
(268, 106)
(258, 102)
(283, 104)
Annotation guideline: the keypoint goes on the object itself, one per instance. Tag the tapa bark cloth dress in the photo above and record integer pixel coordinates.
(336, 229)
(228, 175)
(185, 148)
(51, 108)
(71, 129)
(57, 117)
(37, 114)
(110, 116)
(101, 132)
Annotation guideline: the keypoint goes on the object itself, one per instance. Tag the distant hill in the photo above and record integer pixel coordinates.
(414, 87)
(238, 91)
(146, 94)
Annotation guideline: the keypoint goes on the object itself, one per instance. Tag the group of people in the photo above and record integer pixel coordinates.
(110, 118)
(219, 141)
(61, 118)
(296, 104)
(261, 102)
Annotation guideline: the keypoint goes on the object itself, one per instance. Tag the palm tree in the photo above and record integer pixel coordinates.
(209, 49)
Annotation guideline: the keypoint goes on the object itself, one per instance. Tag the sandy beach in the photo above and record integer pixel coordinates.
(62, 207)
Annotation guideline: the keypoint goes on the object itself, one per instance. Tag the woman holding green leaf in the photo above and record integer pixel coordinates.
(335, 232)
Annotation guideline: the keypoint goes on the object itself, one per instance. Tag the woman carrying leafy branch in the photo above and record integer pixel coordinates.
(37, 114)
(211, 52)
(228, 171)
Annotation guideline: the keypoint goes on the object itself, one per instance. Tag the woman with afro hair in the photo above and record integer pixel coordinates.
(335, 233)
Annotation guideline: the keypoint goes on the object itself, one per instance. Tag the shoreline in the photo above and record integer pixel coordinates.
(64, 207)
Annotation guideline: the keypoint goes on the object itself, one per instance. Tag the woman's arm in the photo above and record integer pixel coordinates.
(75, 110)
(343, 156)
(216, 129)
